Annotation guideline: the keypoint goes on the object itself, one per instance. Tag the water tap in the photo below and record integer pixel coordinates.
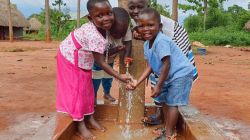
(128, 60)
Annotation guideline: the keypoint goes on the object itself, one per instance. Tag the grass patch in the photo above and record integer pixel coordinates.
(222, 36)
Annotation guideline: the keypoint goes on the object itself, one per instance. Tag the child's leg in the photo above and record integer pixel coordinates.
(107, 83)
(96, 84)
(84, 132)
(96, 125)
(165, 110)
(171, 119)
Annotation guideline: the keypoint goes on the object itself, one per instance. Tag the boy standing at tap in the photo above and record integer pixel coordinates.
(167, 61)
(173, 30)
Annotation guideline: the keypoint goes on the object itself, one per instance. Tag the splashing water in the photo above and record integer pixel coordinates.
(128, 94)
(129, 105)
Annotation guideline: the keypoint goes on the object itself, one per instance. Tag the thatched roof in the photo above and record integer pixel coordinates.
(18, 20)
(247, 26)
(35, 24)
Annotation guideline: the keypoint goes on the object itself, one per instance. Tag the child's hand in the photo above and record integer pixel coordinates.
(155, 92)
(137, 36)
(131, 85)
(121, 47)
(125, 78)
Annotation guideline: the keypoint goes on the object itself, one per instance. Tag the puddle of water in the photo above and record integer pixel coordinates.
(116, 131)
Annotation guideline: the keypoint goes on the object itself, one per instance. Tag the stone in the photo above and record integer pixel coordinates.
(198, 44)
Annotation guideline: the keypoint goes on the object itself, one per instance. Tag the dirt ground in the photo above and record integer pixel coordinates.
(27, 87)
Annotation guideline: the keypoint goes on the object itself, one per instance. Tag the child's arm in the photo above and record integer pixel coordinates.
(99, 58)
(164, 73)
(116, 50)
(144, 75)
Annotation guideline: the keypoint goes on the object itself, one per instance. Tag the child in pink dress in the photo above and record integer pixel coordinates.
(75, 92)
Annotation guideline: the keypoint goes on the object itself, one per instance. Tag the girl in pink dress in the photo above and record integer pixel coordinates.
(75, 92)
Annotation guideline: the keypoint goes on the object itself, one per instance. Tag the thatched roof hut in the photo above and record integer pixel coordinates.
(247, 26)
(35, 25)
(18, 21)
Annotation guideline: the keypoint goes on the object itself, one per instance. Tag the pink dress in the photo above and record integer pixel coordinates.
(75, 92)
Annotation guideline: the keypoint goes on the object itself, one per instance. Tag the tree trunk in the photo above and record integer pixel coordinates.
(10, 22)
(175, 10)
(78, 13)
(47, 19)
(205, 15)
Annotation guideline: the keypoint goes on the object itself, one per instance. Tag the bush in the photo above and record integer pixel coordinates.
(217, 18)
(194, 23)
(222, 36)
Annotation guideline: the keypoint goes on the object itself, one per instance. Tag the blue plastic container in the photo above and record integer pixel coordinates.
(202, 51)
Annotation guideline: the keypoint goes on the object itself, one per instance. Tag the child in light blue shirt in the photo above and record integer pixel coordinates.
(167, 61)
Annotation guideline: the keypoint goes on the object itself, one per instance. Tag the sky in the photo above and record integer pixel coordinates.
(29, 7)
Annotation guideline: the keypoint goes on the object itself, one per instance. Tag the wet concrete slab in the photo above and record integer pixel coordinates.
(116, 131)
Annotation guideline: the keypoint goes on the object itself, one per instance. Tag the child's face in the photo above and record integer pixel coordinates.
(135, 7)
(101, 15)
(148, 26)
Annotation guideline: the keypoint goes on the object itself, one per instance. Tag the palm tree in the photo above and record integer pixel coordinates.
(10, 22)
(47, 19)
(175, 10)
(78, 13)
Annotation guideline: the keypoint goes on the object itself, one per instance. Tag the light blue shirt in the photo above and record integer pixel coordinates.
(164, 46)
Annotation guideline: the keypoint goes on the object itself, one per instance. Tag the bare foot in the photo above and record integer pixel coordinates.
(95, 125)
(84, 133)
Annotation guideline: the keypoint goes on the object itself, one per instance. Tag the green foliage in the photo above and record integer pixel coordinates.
(196, 5)
(222, 36)
(163, 10)
(240, 16)
(194, 23)
(217, 18)
(60, 23)
(59, 3)
(66, 29)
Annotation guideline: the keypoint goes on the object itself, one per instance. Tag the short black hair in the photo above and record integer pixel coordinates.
(121, 20)
(121, 15)
(152, 11)
(91, 3)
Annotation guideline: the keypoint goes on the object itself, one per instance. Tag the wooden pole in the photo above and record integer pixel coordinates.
(10, 22)
(78, 13)
(175, 10)
(47, 20)
(205, 15)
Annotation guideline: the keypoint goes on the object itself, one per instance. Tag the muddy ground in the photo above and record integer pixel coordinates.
(27, 88)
